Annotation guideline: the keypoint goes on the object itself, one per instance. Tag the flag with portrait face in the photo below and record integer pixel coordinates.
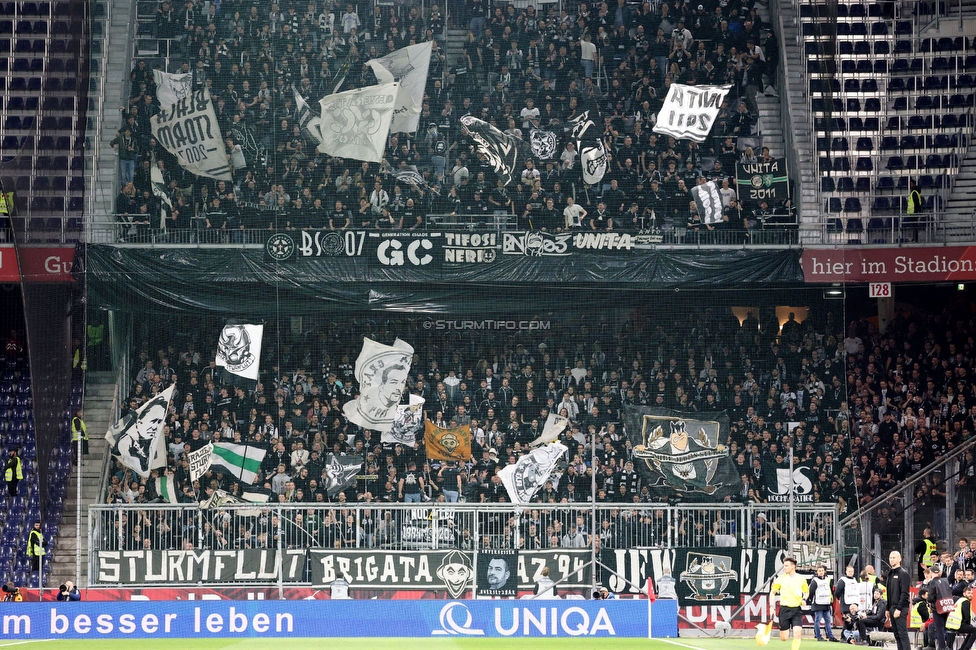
(136, 438)
(408, 423)
(381, 372)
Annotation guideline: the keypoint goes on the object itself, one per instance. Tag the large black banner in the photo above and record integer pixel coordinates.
(199, 566)
(245, 282)
(707, 576)
(449, 570)
(394, 249)
(496, 575)
(682, 455)
(776, 487)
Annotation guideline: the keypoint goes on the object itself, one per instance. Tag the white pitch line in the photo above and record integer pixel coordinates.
(7, 645)
(683, 645)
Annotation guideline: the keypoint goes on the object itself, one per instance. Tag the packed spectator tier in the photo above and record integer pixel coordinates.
(519, 69)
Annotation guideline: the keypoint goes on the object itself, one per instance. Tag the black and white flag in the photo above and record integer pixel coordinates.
(589, 143)
(136, 438)
(189, 130)
(507, 155)
(159, 187)
(381, 371)
(555, 425)
(543, 144)
(340, 472)
(221, 498)
(239, 349)
(307, 121)
(199, 461)
(526, 477)
(356, 123)
(171, 88)
(408, 423)
(690, 111)
(411, 177)
(708, 201)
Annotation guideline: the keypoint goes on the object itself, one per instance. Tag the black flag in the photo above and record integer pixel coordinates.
(682, 455)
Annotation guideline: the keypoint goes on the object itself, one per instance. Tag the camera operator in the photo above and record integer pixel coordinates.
(852, 625)
(876, 617)
(11, 593)
(68, 592)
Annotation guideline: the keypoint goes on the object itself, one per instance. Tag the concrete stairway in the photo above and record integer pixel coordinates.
(797, 109)
(99, 396)
(961, 205)
(117, 45)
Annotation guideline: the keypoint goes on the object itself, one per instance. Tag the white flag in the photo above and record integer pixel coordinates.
(523, 479)
(409, 66)
(381, 371)
(708, 201)
(690, 111)
(589, 143)
(199, 461)
(243, 461)
(555, 424)
(409, 421)
(239, 349)
(171, 88)
(136, 437)
(356, 123)
(188, 129)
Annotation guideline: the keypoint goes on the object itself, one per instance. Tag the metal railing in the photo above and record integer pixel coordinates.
(143, 235)
(444, 526)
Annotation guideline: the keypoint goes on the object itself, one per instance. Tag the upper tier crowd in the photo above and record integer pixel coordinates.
(519, 69)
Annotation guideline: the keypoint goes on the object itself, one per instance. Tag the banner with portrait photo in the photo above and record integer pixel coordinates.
(497, 572)
(682, 455)
(381, 372)
(136, 438)
(171, 88)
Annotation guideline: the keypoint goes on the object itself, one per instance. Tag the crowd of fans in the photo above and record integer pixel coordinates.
(762, 374)
(519, 69)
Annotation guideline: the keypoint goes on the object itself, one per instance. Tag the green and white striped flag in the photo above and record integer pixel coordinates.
(166, 489)
(243, 461)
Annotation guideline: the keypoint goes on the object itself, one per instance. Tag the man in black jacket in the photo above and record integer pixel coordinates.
(897, 585)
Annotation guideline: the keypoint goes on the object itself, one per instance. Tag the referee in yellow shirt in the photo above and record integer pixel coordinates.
(793, 589)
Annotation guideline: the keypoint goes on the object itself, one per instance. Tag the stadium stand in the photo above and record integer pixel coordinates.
(250, 63)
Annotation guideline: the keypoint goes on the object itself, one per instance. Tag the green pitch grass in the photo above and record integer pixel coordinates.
(414, 644)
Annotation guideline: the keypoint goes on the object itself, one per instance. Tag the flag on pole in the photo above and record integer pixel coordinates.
(690, 111)
(199, 461)
(356, 123)
(589, 143)
(158, 186)
(171, 88)
(507, 155)
(409, 66)
(555, 425)
(523, 479)
(407, 424)
(222, 498)
(381, 371)
(708, 201)
(135, 439)
(341, 472)
(239, 349)
(166, 489)
(188, 129)
(243, 461)
(448, 444)
(307, 121)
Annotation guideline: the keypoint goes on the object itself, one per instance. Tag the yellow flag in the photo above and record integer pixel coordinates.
(448, 444)
(763, 633)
